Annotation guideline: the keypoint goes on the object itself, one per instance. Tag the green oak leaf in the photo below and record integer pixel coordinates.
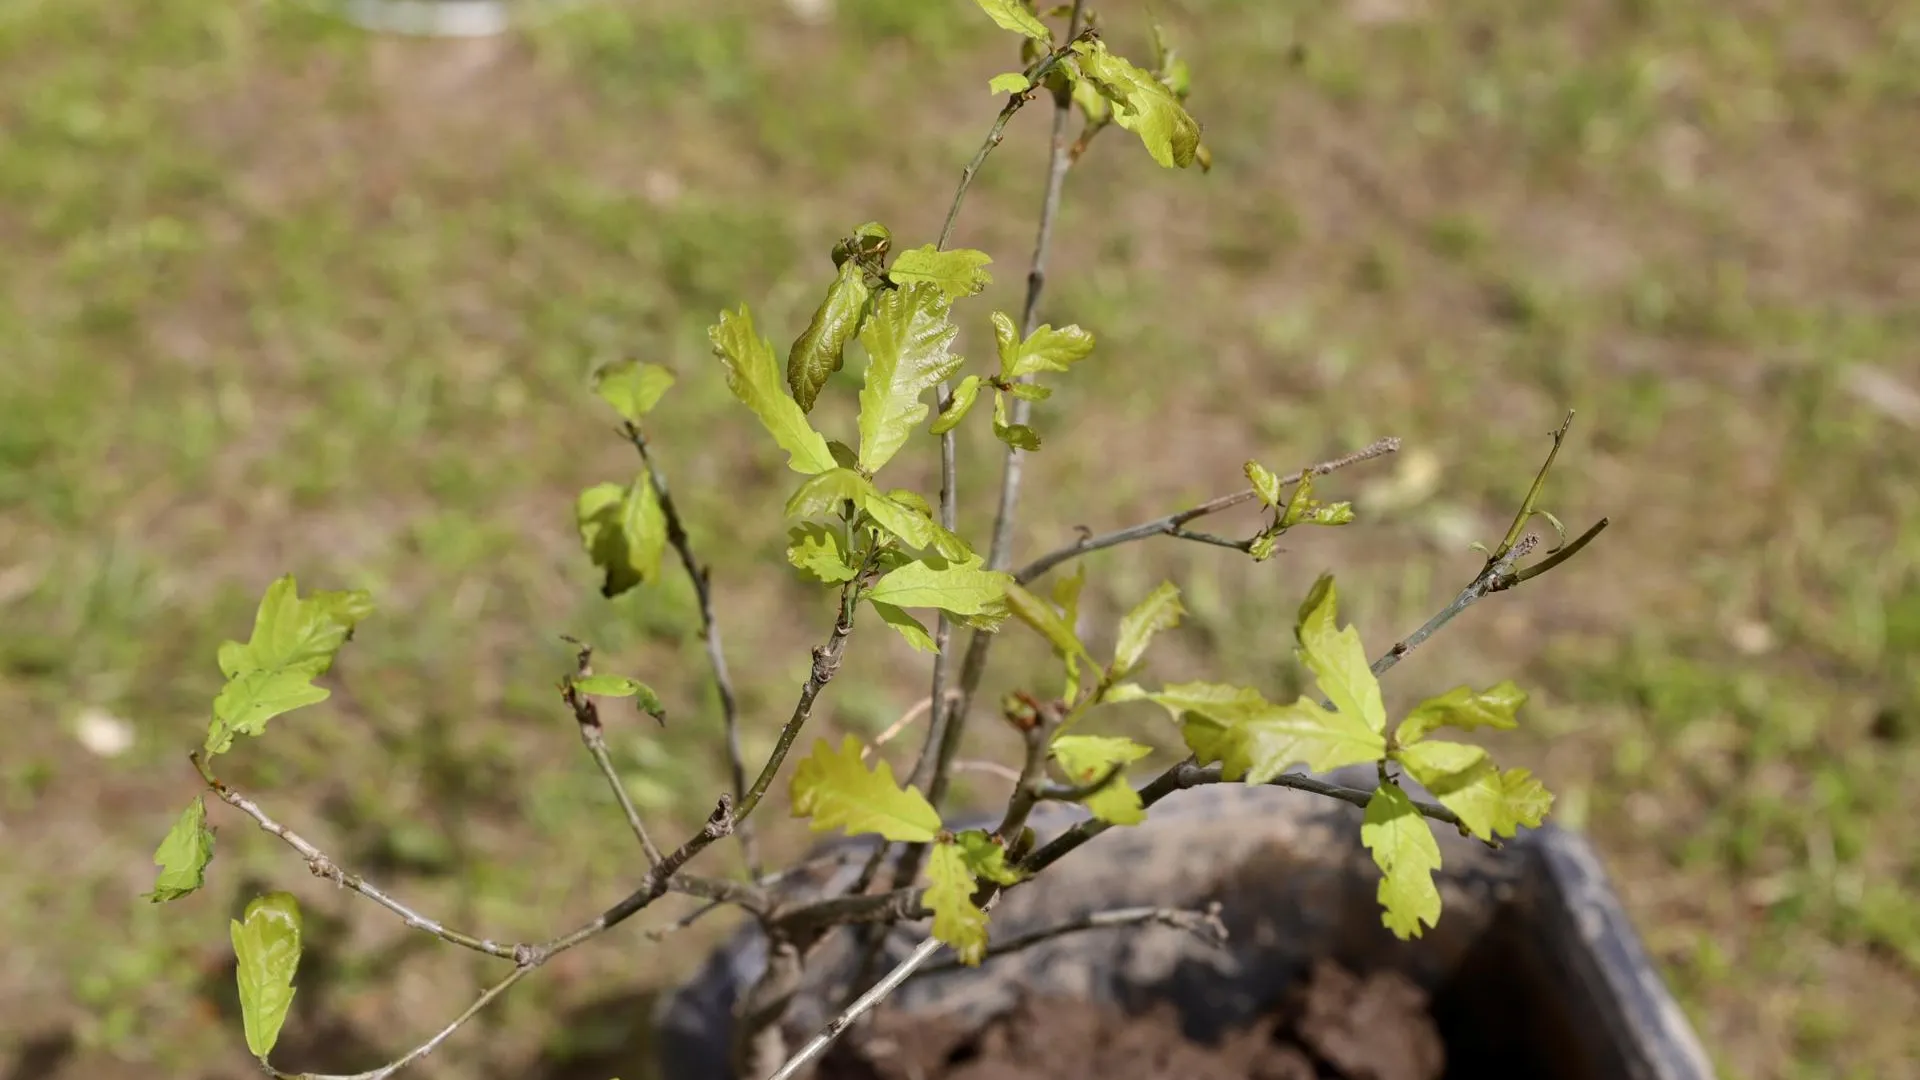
(1014, 15)
(821, 349)
(959, 405)
(897, 513)
(957, 273)
(1019, 436)
(1464, 778)
(1256, 740)
(1464, 708)
(1012, 82)
(266, 941)
(907, 626)
(1161, 610)
(957, 920)
(1086, 758)
(985, 857)
(934, 582)
(619, 686)
(835, 790)
(632, 388)
(907, 337)
(1407, 854)
(820, 551)
(1337, 658)
(294, 642)
(1265, 484)
(825, 493)
(754, 377)
(624, 530)
(183, 855)
(1142, 104)
(1048, 623)
(1047, 349)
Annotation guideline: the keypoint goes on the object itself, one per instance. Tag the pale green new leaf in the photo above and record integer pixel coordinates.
(1407, 854)
(1303, 509)
(1013, 15)
(820, 350)
(632, 388)
(619, 686)
(753, 374)
(820, 551)
(1012, 82)
(1265, 484)
(907, 337)
(822, 495)
(1086, 758)
(956, 919)
(1006, 340)
(1464, 708)
(897, 513)
(1047, 622)
(1019, 436)
(266, 941)
(1066, 598)
(1466, 781)
(908, 627)
(1047, 349)
(985, 857)
(959, 405)
(1337, 658)
(183, 856)
(934, 582)
(1267, 740)
(1142, 104)
(835, 790)
(624, 531)
(1161, 610)
(294, 642)
(957, 273)
(1226, 705)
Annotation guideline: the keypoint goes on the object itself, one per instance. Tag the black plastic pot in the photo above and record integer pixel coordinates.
(1534, 970)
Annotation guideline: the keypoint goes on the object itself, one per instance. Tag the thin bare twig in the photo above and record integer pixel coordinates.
(701, 576)
(586, 715)
(1206, 925)
(860, 1006)
(1170, 525)
(425, 1048)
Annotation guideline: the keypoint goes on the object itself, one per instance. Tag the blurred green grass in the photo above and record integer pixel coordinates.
(277, 296)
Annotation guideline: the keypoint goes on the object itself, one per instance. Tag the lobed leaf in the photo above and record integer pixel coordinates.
(907, 337)
(820, 350)
(820, 551)
(1465, 708)
(835, 790)
(1407, 854)
(827, 492)
(1047, 349)
(906, 625)
(183, 855)
(1015, 16)
(294, 642)
(1012, 82)
(1086, 758)
(266, 941)
(1265, 484)
(632, 388)
(624, 531)
(896, 513)
(1337, 658)
(985, 857)
(958, 405)
(1161, 610)
(1466, 781)
(754, 377)
(957, 920)
(1142, 104)
(1255, 740)
(956, 273)
(933, 582)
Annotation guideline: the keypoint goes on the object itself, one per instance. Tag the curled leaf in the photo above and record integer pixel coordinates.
(836, 791)
(821, 349)
(183, 855)
(266, 941)
(958, 406)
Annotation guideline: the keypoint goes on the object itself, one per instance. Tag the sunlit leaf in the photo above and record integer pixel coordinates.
(632, 388)
(951, 587)
(183, 855)
(1265, 484)
(1466, 781)
(1014, 15)
(619, 686)
(959, 405)
(266, 941)
(956, 919)
(624, 531)
(1256, 740)
(1337, 658)
(895, 513)
(820, 350)
(1161, 610)
(820, 551)
(754, 377)
(1016, 435)
(985, 857)
(907, 337)
(1012, 82)
(1086, 758)
(1464, 708)
(825, 494)
(1047, 349)
(294, 642)
(1407, 854)
(835, 790)
(956, 273)
(908, 627)
(1142, 104)
(1046, 621)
